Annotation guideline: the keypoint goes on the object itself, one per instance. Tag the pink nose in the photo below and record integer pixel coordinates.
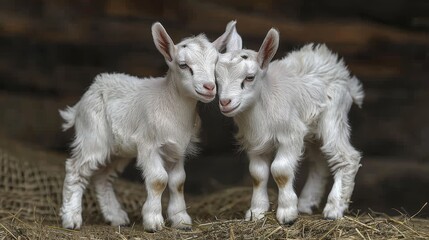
(209, 86)
(225, 102)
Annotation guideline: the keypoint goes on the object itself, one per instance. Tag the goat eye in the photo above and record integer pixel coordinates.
(249, 78)
(183, 66)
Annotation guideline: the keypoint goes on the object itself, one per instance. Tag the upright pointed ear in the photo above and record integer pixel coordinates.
(230, 39)
(162, 41)
(268, 48)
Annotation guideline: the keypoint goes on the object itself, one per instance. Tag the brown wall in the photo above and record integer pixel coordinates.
(50, 50)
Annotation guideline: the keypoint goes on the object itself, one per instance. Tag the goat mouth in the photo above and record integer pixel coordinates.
(230, 110)
(209, 96)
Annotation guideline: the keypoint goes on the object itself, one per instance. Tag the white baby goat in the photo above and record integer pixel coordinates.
(278, 106)
(153, 119)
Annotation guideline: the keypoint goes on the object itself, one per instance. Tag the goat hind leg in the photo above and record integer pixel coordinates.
(75, 183)
(314, 188)
(345, 171)
(343, 160)
(109, 204)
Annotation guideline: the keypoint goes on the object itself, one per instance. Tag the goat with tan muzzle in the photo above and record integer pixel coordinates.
(154, 119)
(278, 106)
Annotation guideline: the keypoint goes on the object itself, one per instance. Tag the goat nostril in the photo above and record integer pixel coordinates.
(209, 86)
(225, 102)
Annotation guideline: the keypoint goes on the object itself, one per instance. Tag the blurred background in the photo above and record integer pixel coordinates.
(50, 51)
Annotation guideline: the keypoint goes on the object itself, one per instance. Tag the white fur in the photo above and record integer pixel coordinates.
(153, 119)
(304, 96)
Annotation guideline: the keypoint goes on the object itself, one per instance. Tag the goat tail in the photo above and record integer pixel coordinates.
(68, 115)
(356, 91)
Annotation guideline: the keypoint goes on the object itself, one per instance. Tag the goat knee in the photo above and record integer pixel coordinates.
(156, 185)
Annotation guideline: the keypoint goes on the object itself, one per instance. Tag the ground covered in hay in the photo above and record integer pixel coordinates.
(365, 226)
(30, 198)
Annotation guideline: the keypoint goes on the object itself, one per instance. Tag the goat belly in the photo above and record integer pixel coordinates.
(125, 149)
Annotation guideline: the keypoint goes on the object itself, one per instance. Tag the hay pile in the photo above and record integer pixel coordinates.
(306, 227)
(30, 196)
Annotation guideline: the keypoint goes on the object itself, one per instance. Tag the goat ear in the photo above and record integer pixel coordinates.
(235, 42)
(268, 48)
(162, 41)
(230, 39)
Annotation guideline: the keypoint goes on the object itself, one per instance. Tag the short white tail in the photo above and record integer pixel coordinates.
(356, 90)
(69, 116)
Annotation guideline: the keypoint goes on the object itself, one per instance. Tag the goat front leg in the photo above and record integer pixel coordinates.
(156, 178)
(283, 171)
(259, 170)
(176, 209)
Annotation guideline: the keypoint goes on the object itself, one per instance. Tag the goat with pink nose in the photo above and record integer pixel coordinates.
(284, 106)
